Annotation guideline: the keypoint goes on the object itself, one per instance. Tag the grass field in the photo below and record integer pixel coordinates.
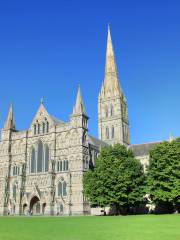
(144, 227)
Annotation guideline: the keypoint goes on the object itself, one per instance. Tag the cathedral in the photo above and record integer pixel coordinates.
(41, 168)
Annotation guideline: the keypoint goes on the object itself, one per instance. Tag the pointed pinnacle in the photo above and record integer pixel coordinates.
(109, 28)
(42, 100)
(10, 123)
(79, 106)
(111, 81)
(109, 32)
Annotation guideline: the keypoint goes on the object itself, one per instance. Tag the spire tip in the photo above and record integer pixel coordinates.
(42, 100)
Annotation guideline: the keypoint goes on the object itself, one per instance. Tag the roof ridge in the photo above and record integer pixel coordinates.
(147, 143)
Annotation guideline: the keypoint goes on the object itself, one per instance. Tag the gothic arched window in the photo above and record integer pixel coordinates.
(107, 132)
(43, 127)
(112, 132)
(61, 165)
(58, 166)
(64, 165)
(39, 127)
(33, 161)
(46, 158)
(15, 171)
(64, 193)
(14, 192)
(40, 157)
(67, 165)
(34, 129)
(60, 189)
(47, 127)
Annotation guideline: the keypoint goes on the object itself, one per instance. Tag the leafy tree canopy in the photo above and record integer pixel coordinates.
(164, 173)
(117, 179)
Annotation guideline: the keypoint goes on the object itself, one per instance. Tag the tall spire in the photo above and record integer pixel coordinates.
(79, 106)
(111, 81)
(113, 121)
(10, 123)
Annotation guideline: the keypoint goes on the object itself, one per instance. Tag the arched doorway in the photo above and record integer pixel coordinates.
(35, 205)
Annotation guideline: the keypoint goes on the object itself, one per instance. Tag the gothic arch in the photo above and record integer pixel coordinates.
(34, 205)
(33, 194)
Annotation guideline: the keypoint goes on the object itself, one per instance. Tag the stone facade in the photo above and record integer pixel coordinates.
(41, 169)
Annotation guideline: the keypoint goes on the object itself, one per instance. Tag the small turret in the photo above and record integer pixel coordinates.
(79, 116)
(79, 106)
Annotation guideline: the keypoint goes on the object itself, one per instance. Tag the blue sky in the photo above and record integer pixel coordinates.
(47, 48)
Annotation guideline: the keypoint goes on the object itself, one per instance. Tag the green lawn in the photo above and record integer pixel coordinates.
(142, 227)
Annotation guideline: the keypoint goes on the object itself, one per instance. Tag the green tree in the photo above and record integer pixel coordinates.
(117, 180)
(164, 175)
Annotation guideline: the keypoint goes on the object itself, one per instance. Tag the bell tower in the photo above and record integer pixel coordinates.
(113, 121)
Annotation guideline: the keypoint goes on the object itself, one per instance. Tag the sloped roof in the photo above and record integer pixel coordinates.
(56, 120)
(143, 149)
(97, 142)
(42, 110)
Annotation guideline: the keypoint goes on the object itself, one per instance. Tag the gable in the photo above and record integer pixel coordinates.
(42, 116)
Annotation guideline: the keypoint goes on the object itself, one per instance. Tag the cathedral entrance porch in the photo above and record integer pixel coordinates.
(35, 207)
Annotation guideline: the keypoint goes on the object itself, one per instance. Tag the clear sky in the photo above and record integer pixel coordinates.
(47, 48)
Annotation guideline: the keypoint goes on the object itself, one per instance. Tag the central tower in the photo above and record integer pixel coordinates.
(113, 121)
